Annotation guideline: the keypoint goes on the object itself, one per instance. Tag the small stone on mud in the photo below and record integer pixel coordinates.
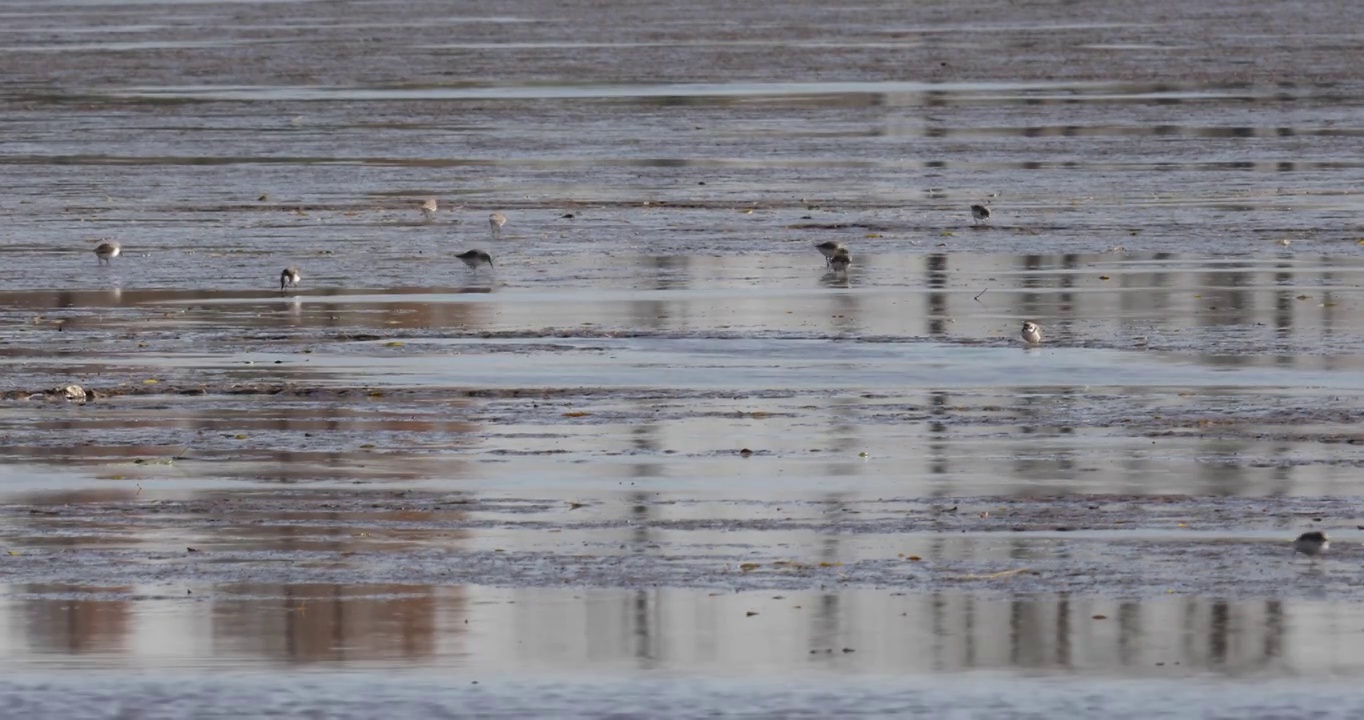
(751, 613)
(745, 453)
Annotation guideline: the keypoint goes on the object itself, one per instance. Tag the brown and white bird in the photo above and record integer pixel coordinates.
(106, 250)
(429, 209)
(474, 258)
(288, 276)
(1311, 544)
(829, 248)
(1032, 333)
(495, 223)
(979, 214)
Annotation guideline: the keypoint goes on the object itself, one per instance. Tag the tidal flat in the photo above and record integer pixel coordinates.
(658, 460)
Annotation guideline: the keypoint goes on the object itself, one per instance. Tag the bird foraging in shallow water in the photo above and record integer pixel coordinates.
(1311, 544)
(474, 258)
(495, 223)
(1032, 333)
(830, 248)
(106, 250)
(288, 276)
(429, 209)
(840, 260)
(979, 214)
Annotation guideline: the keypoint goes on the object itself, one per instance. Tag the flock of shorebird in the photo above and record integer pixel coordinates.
(290, 276)
(1313, 544)
(836, 255)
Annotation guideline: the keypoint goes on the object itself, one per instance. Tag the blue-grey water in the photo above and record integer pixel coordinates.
(659, 461)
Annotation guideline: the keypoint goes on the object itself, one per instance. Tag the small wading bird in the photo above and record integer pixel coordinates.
(107, 250)
(288, 276)
(830, 248)
(1312, 544)
(429, 209)
(979, 214)
(474, 258)
(840, 260)
(1032, 333)
(495, 223)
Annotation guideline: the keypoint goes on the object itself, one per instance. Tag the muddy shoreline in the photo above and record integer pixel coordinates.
(660, 459)
(1102, 546)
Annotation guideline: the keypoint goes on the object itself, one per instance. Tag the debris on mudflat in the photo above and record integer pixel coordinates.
(73, 392)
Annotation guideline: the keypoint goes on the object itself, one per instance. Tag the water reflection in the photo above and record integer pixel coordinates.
(335, 624)
(1209, 305)
(76, 624)
(675, 629)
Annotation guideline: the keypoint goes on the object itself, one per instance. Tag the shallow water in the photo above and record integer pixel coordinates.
(489, 633)
(659, 412)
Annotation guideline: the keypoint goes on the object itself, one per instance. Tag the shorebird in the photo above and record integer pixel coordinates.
(474, 258)
(1311, 544)
(288, 276)
(429, 209)
(107, 250)
(840, 260)
(1032, 333)
(830, 248)
(495, 223)
(979, 214)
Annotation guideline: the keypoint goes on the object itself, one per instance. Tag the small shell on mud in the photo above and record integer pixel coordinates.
(71, 392)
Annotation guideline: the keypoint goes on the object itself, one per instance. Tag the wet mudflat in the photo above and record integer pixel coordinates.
(659, 460)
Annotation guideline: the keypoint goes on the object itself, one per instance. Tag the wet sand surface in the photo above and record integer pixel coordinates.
(659, 460)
